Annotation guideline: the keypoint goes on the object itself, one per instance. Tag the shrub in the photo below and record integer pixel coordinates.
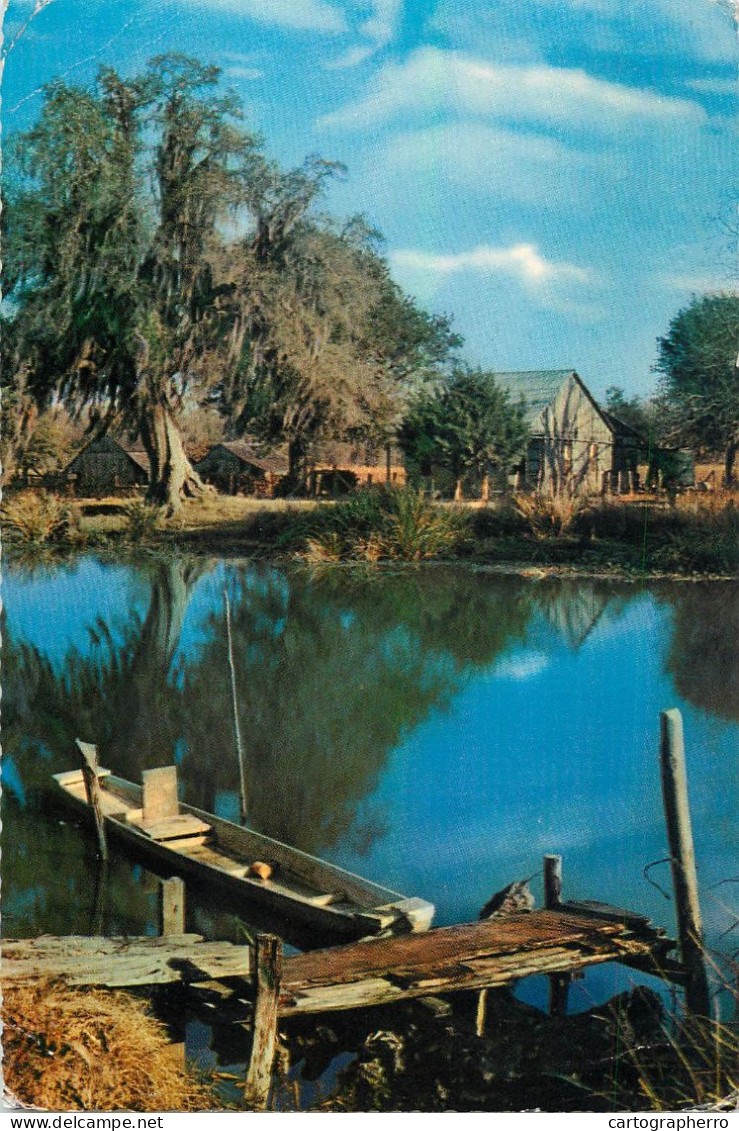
(142, 520)
(550, 516)
(387, 523)
(36, 518)
(415, 528)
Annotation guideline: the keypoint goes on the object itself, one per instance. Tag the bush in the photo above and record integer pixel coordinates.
(550, 516)
(384, 523)
(37, 518)
(142, 520)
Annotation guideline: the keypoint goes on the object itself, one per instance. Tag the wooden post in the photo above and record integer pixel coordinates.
(92, 789)
(264, 1042)
(552, 882)
(559, 984)
(682, 859)
(172, 906)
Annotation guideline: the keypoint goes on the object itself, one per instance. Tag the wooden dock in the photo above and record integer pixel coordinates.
(492, 952)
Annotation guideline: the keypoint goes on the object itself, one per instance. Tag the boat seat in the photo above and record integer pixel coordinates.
(174, 828)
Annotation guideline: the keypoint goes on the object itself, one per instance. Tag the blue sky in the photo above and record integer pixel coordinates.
(553, 173)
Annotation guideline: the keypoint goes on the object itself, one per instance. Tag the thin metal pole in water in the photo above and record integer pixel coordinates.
(682, 858)
(234, 704)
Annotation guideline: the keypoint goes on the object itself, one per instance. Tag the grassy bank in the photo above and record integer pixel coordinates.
(694, 535)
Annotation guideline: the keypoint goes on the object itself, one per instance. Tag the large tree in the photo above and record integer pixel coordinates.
(467, 425)
(113, 225)
(697, 359)
(158, 260)
(329, 345)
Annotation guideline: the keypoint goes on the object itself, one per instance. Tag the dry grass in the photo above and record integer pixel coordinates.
(549, 516)
(91, 1050)
(36, 518)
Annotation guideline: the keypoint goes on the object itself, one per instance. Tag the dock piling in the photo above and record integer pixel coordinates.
(264, 1038)
(682, 859)
(172, 907)
(559, 984)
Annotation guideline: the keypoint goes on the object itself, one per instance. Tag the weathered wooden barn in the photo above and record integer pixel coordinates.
(336, 468)
(105, 467)
(237, 467)
(574, 444)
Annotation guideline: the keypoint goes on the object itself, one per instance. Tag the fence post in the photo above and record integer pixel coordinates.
(682, 859)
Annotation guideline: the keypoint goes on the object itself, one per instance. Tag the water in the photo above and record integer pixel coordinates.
(436, 730)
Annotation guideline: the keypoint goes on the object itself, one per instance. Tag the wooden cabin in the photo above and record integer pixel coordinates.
(337, 468)
(573, 444)
(105, 467)
(236, 467)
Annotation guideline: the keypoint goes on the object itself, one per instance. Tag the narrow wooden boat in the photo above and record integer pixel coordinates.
(251, 867)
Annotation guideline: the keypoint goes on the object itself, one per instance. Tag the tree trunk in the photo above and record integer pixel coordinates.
(731, 451)
(485, 488)
(171, 475)
(458, 493)
(296, 465)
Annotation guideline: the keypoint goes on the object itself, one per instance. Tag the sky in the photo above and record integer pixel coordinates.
(557, 175)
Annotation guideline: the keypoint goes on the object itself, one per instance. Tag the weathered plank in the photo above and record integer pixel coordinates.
(491, 952)
(159, 794)
(81, 961)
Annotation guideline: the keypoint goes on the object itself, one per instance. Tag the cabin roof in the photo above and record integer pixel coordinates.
(107, 445)
(538, 387)
(246, 453)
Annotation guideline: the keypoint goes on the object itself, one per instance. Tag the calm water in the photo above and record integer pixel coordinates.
(436, 730)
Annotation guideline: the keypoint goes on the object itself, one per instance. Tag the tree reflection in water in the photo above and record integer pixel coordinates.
(334, 670)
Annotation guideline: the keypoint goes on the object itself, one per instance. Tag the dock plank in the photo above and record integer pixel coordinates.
(116, 962)
(493, 952)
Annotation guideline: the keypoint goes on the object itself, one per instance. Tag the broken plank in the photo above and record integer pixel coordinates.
(81, 961)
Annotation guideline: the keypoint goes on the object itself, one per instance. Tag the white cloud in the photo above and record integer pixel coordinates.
(433, 80)
(246, 74)
(715, 86)
(379, 29)
(521, 260)
(495, 161)
(700, 284)
(297, 15)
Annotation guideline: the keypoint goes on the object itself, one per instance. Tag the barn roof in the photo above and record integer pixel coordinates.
(538, 387)
(140, 457)
(106, 445)
(246, 453)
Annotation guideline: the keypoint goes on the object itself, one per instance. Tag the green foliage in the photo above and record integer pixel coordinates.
(385, 523)
(645, 416)
(468, 425)
(37, 518)
(142, 520)
(697, 362)
(131, 301)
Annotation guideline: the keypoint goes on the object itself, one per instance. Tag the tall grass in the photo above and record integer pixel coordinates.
(384, 524)
(39, 518)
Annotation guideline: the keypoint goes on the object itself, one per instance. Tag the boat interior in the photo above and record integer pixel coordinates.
(155, 812)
